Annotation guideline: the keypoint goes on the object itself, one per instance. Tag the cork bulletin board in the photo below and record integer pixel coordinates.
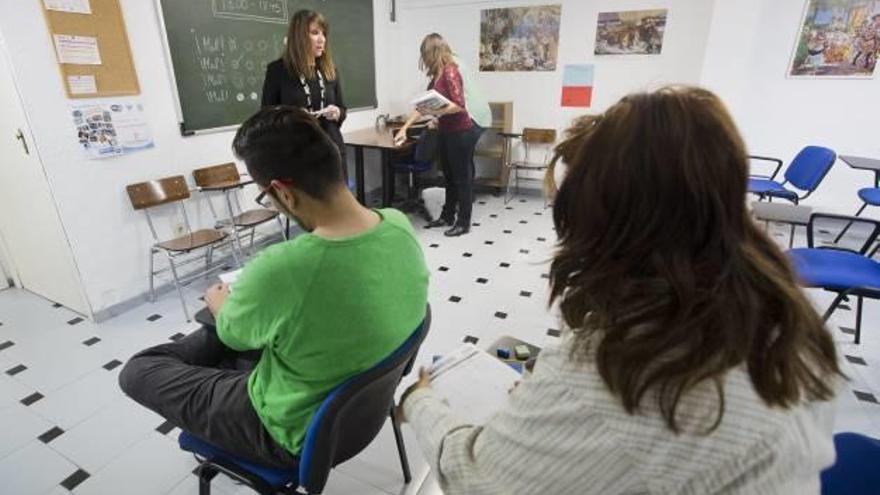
(89, 71)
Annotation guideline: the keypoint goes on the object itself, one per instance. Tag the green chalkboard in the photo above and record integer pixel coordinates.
(219, 50)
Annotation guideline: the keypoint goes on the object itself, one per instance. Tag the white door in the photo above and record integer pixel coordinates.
(37, 250)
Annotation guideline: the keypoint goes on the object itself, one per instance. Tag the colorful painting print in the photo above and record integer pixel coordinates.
(839, 38)
(636, 32)
(519, 39)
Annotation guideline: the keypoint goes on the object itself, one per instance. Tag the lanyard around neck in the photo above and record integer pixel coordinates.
(308, 91)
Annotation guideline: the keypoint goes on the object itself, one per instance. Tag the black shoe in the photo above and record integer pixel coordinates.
(440, 222)
(457, 231)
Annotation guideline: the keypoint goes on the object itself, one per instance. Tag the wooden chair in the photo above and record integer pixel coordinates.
(147, 195)
(531, 138)
(226, 180)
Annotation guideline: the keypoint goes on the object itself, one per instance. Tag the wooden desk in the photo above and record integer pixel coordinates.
(381, 140)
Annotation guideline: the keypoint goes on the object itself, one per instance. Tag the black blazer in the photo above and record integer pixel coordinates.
(280, 88)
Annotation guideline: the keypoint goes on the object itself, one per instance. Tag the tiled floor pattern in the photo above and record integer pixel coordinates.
(68, 428)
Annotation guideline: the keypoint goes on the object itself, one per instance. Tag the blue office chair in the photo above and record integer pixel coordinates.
(805, 173)
(857, 469)
(348, 420)
(847, 272)
(420, 161)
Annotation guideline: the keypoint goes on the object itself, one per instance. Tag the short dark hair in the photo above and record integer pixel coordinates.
(286, 143)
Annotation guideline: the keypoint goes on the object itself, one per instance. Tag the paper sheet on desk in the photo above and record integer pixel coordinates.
(474, 382)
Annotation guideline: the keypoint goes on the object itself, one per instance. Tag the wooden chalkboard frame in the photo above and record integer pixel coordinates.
(178, 107)
(116, 76)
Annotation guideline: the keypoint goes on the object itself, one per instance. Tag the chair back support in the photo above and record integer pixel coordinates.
(533, 135)
(426, 146)
(809, 167)
(857, 469)
(353, 414)
(152, 193)
(216, 175)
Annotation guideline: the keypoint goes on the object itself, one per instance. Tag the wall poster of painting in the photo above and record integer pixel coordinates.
(838, 38)
(635, 32)
(520, 38)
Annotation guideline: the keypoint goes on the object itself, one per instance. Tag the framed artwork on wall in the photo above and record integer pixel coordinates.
(837, 39)
(635, 32)
(520, 38)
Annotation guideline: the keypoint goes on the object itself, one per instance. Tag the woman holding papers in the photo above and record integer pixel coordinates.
(458, 133)
(691, 362)
(306, 77)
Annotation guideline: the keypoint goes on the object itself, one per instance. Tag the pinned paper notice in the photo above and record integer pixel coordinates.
(77, 50)
(70, 6)
(82, 85)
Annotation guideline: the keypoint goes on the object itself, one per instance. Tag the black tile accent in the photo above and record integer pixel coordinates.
(153, 317)
(75, 321)
(51, 435)
(553, 332)
(856, 360)
(476, 224)
(434, 245)
(482, 280)
(545, 275)
(75, 479)
(508, 208)
(493, 216)
(16, 370)
(500, 314)
(56, 305)
(504, 265)
(523, 222)
(112, 364)
(488, 243)
(454, 299)
(6, 345)
(507, 231)
(542, 239)
(201, 298)
(865, 396)
(177, 336)
(522, 201)
(30, 399)
(444, 268)
(92, 341)
(470, 339)
(165, 427)
(481, 202)
(467, 255)
(538, 214)
(844, 307)
(824, 231)
(848, 331)
(524, 251)
(525, 293)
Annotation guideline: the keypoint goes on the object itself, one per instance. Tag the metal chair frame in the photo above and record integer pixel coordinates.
(529, 138)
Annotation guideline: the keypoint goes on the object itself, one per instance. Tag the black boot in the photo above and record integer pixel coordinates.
(457, 231)
(440, 222)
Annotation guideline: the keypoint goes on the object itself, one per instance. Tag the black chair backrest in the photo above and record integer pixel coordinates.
(354, 413)
(426, 146)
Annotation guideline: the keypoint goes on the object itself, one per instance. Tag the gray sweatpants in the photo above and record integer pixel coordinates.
(200, 385)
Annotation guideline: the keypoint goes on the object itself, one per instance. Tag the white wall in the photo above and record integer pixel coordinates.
(747, 59)
(536, 95)
(109, 239)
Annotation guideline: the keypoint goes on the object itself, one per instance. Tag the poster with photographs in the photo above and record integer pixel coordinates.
(838, 38)
(520, 38)
(635, 32)
(111, 129)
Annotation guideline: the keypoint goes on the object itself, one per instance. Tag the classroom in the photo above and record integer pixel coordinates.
(427, 247)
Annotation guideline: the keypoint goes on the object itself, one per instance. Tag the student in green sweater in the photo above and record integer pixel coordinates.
(317, 309)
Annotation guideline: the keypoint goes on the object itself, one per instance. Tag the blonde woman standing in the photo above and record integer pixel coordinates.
(458, 134)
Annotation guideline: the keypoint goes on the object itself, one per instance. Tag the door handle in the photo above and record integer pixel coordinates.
(20, 137)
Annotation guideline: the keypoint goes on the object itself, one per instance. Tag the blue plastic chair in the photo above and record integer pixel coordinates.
(805, 173)
(347, 421)
(847, 272)
(857, 469)
(420, 161)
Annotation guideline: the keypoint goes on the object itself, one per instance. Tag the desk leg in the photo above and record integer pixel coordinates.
(359, 174)
(387, 179)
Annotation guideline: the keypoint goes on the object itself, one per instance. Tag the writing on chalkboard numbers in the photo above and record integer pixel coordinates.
(253, 10)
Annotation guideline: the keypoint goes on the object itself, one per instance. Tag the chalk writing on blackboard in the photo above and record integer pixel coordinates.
(252, 10)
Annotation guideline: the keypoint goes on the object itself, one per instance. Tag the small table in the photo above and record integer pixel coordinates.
(377, 139)
(861, 163)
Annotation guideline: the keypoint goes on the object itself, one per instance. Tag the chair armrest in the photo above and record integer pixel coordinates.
(875, 228)
(777, 161)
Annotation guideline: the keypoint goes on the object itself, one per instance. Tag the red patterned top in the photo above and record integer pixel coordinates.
(450, 85)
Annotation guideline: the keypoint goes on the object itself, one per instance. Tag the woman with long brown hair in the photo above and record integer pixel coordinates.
(306, 76)
(691, 362)
(458, 134)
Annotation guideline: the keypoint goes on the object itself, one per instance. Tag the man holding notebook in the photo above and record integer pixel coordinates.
(317, 309)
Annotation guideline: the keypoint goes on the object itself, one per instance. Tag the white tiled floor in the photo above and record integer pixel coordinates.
(495, 273)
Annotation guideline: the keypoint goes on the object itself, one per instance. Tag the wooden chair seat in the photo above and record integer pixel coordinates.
(196, 240)
(254, 217)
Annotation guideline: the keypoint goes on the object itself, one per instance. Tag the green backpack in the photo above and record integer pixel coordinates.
(476, 103)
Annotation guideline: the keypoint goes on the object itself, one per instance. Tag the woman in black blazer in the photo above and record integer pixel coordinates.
(305, 76)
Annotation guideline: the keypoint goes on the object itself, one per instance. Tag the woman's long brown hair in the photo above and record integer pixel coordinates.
(660, 272)
(298, 52)
(434, 55)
